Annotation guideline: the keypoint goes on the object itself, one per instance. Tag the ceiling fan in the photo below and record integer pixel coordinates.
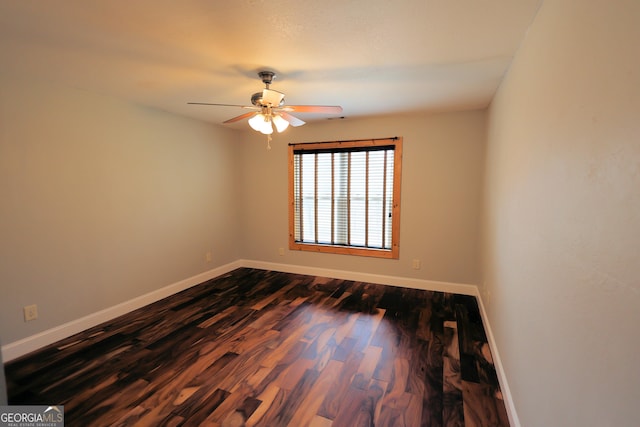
(269, 109)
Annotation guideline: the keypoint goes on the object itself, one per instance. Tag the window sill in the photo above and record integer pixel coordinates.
(346, 250)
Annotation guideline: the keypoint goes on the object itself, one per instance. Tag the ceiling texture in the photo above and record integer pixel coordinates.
(372, 57)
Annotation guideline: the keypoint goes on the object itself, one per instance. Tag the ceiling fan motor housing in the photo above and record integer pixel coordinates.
(256, 99)
(266, 97)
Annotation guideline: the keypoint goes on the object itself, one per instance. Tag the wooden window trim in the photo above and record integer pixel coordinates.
(394, 251)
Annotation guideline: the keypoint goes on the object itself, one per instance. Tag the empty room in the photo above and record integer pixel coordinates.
(279, 213)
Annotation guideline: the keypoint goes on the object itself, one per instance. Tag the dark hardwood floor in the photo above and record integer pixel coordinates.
(264, 348)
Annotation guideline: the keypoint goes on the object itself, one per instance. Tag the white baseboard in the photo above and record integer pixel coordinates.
(514, 421)
(406, 282)
(26, 345)
(31, 343)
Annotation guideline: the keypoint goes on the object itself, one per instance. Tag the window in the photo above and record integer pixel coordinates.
(344, 197)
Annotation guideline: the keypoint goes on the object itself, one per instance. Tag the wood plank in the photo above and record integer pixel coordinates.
(307, 410)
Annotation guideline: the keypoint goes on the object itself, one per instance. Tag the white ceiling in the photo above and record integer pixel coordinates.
(371, 57)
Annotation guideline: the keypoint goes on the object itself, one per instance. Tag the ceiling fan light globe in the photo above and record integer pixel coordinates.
(267, 130)
(280, 123)
(256, 122)
(266, 127)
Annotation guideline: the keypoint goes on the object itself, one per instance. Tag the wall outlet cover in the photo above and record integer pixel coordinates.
(30, 312)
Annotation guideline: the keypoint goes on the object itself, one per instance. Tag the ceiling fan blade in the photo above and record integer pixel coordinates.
(326, 109)
(293, 121)
(272, 97)
(241, 116)
(251, 107)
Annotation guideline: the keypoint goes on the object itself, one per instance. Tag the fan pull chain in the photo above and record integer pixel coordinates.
(268, 142)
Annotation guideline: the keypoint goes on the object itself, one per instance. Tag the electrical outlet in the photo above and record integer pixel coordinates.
(207, 257)
(416, 264)
(281, 251)
(30, 312)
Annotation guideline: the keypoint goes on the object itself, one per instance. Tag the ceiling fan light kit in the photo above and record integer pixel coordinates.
(270, 109)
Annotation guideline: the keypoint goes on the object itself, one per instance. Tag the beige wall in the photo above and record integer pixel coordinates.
(103, 201)
(441, 190)
(562, 219)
